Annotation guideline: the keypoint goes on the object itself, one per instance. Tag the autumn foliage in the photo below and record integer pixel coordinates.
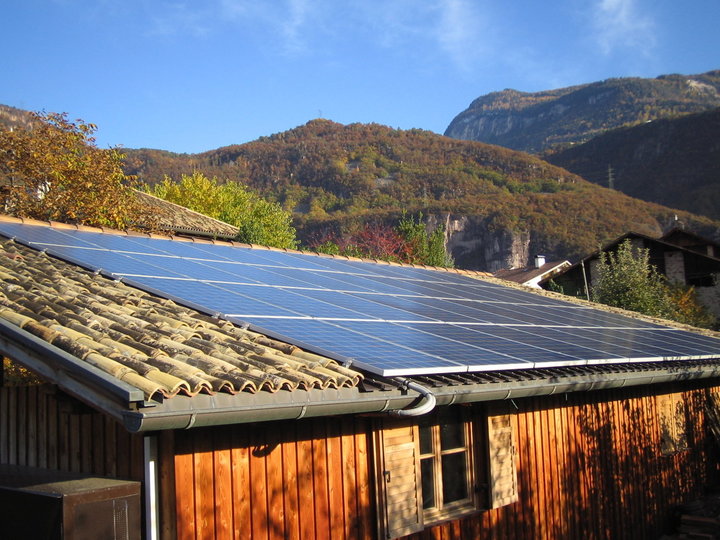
(333, 176)
(53, 170)
(408, 242)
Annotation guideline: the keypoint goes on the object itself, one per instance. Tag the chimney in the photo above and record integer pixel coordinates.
(539, 260)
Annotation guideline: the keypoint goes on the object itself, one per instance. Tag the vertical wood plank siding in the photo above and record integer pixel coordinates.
(304, 479)
(589, 466)
(42, 427)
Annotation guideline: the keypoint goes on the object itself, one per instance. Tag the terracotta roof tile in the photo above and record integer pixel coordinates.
(149, 342)
(174, 218)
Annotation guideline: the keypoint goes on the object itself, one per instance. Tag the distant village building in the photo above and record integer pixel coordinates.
(682, 257)
(532, 275)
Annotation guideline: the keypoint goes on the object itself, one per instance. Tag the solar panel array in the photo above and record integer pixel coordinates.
(388, 319)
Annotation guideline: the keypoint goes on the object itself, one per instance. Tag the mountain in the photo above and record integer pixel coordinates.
(499, 206)
(534, 122)
(10, 117)
(675, 162)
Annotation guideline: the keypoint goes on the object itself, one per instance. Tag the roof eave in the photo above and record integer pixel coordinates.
(79, 379)
(182, 412)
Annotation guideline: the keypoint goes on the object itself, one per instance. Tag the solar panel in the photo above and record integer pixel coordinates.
(388, 319)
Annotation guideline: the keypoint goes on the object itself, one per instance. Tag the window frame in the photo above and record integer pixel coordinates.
(443, 511)
(490, 448)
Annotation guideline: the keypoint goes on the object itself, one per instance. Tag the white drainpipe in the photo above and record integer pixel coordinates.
(151, 487)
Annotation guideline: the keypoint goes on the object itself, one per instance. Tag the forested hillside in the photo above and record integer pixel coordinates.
(332, 175)
(675, 162)
(498, 206)
(534, 122)
(10, 117)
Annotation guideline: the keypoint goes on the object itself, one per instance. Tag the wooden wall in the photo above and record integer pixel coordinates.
(590, 466)
(42, 427)
(304, 479)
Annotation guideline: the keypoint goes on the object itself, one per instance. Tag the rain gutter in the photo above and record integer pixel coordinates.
(411, 396)
(182, 412)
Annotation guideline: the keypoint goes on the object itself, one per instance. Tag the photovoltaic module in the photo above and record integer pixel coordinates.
(388, 319)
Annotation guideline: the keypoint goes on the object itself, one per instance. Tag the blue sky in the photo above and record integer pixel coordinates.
(190, 76)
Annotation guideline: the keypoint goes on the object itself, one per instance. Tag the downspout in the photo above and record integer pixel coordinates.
(427, 405)
(152, 514)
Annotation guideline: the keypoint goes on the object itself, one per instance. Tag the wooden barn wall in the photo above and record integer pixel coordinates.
(42, 427)
(590, 466)
(303, 479)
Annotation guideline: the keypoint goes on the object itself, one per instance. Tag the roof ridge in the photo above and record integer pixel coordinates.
(233, 243)
(185, 208)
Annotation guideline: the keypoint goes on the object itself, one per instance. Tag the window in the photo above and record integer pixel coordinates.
(443, 466)
(673, 424)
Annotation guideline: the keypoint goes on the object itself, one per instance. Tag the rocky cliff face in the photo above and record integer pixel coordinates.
(478, 244)
(533, 122)
(475, 246)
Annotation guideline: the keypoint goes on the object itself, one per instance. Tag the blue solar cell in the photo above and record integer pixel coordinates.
(559, 351)
(487, 349)
(631, 342)
(216, 299)
(390, 319)
(378, 354)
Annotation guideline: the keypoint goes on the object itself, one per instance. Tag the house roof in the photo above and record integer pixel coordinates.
(528, 273)
(150, 343)
(690, 240)
(172, 218)
(154, 364)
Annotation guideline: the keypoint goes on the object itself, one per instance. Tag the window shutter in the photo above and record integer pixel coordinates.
(665, 420)
(501, 455)
(673, 423)
(399, 477)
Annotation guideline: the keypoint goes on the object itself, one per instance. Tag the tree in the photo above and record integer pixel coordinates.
(425, 248)
(53, 171)
(408, 242)
(626, 279)
(259, 221)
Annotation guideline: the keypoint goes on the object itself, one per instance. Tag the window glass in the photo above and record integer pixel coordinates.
(454, 473)
(427, 470)
(452, 435)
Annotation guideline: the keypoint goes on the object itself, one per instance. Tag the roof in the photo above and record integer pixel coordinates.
(151, 343)
(175, 219)
(153, 364)
(529, 273)
(690, 240)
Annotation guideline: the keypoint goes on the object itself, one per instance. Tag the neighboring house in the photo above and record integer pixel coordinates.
(234, 433)
(532, 276)
(692, 241)
(171, 218)
(680, 256)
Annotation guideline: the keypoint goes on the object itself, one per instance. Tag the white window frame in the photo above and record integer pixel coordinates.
(443, 511)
